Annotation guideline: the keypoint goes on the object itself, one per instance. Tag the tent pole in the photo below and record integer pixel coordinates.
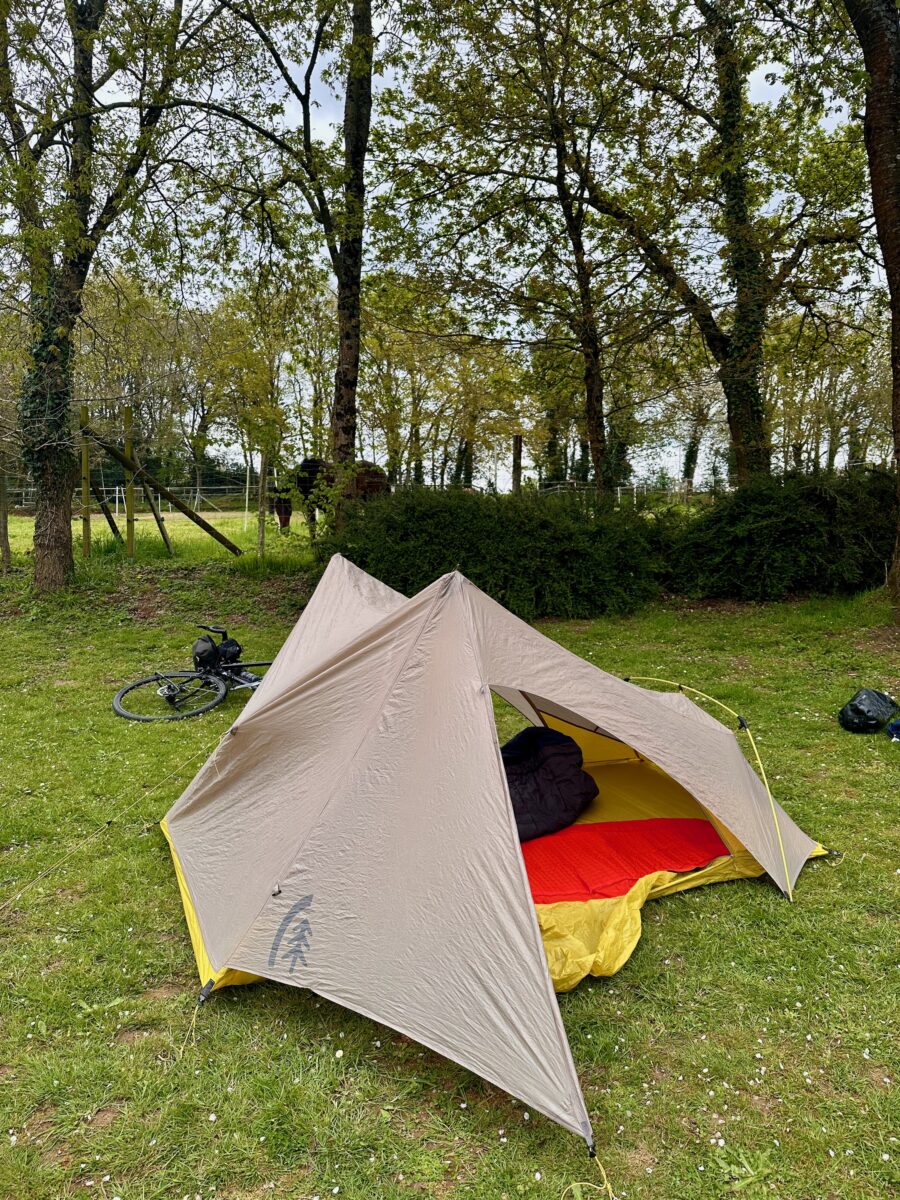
(742, 724)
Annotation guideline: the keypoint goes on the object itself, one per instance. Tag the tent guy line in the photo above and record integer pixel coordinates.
(117, 814)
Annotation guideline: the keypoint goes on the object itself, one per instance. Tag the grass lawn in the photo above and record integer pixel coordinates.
(748, 1047)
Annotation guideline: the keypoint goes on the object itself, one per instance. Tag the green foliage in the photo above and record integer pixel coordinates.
(563, 556)
(801, 535)
(569, 556)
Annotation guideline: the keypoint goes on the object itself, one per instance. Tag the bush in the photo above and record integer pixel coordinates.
(540, 556)
(804, 534)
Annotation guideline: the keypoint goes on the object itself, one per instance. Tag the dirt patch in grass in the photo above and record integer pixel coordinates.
(167, 936)
(879, 1077)
(69, 893)
(130, 1037)
(883, 639)
(283, 594)
(283, 1187)
(104, 1117)
(57, 1155)
(763, 1104)
(684, 604)
(164, 991)
(639, 1160)
(39, 1126)
(149, 606)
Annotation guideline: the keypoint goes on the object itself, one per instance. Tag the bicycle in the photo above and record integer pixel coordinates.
(177, 695)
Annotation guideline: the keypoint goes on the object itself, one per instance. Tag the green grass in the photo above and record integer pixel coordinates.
(739, 1017)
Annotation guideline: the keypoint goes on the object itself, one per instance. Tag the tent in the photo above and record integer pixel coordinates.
(352, 833)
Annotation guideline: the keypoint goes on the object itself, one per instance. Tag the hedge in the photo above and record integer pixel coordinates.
(802, 535)
(540, 556)
(571, 556)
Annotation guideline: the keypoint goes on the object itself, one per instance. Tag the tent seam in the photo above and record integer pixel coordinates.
(537, 937)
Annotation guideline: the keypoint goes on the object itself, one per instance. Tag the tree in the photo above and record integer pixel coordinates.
(642, 114)
(521, 250)
(876, 24)
(84, 106)
(722, 163)
(331, 182)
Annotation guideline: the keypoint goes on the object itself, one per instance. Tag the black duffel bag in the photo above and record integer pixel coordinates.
(867, 711)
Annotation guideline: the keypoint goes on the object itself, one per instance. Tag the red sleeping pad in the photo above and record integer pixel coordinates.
(606, 858)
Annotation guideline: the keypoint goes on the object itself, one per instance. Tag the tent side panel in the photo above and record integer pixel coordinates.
(409, 902)
(238, 825)
(701, 755)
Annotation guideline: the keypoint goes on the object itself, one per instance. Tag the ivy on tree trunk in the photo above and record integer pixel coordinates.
(46, 432)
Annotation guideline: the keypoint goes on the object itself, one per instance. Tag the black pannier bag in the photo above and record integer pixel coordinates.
(205, 653)
(867, 711)
(547, 786)
(229, 650)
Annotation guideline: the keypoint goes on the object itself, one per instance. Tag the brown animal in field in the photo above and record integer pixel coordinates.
(363, 481)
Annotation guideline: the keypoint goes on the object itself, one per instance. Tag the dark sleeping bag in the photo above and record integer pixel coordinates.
(548, 788)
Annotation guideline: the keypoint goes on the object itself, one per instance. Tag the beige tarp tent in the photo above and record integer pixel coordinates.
(353, 834)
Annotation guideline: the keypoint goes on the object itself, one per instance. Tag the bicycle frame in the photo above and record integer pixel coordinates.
(225, 671)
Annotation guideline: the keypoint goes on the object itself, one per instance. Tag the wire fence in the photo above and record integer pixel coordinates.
(231, 498)
(212, 499)
(674, 493)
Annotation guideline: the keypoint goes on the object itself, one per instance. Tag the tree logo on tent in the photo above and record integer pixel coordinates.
(291, 941)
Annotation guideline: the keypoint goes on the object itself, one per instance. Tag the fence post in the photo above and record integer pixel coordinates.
(129, 485)
(85, 486)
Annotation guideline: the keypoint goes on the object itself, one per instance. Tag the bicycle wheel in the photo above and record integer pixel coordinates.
(169, 696)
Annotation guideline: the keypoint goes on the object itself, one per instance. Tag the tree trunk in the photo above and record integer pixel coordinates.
(586, 324)
(741, 370)
(357, 119)
(462, 468)
(417, 473)
(517, 462)
(5, 549)
(261, 505)
(48, 446)
(616, 467)
(691, 454)
(877, 26)
(417, 468)
(593, 402)
(554, 457)
(856, 452)
(198, 483)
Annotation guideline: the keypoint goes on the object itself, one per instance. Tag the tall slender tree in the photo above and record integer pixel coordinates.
(323, 37)
(876, 24)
